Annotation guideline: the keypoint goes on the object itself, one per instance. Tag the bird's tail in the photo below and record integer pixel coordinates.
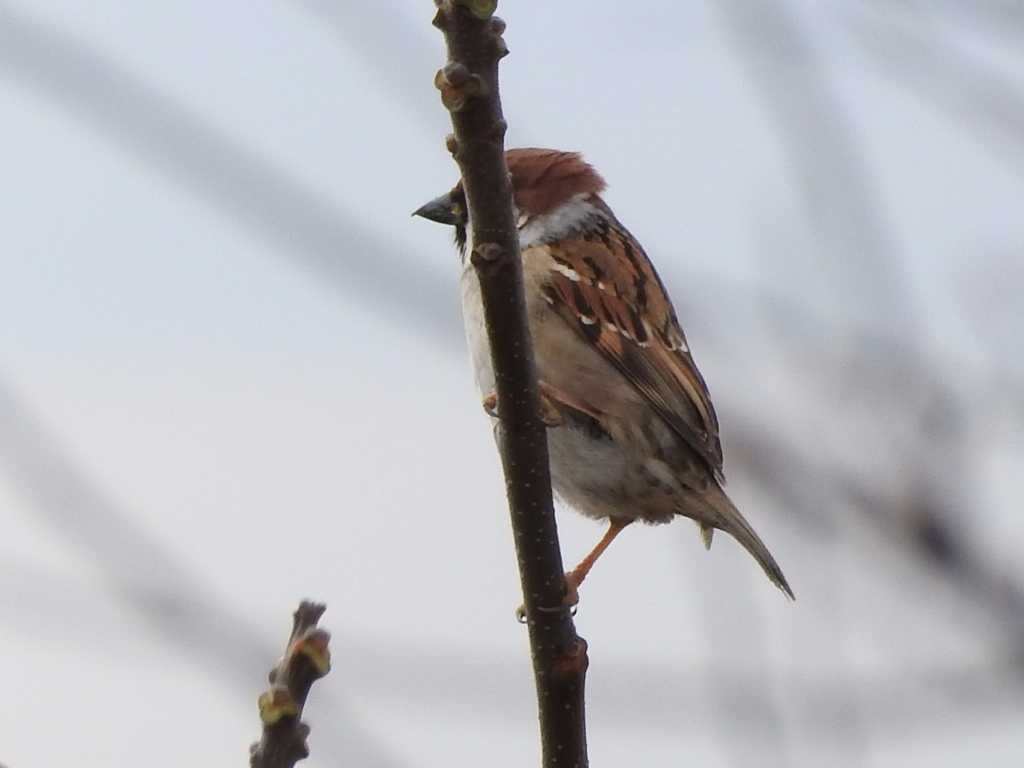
(730, 520)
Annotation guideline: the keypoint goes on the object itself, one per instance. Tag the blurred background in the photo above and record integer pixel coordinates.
(232, 374)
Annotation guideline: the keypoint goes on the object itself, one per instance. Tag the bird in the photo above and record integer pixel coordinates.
(633, 432)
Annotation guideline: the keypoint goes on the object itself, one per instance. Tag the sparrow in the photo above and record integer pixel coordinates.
(634, 435)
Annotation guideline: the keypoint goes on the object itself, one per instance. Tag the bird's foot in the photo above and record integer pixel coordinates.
(573, 580)
(569, 602)
(490, 404)
(549, 413)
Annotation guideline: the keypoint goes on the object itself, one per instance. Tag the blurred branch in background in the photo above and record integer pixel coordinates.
(316, 235)
(365, 35)
(405, 674)
(903, 44)
(1005, 17)
(919, 428)
(175, 603)
(865, 374)
(856, 253)
(915, 424)
(878, 375)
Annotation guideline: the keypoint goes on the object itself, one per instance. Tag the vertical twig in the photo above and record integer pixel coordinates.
(306, 659)
(469, 89)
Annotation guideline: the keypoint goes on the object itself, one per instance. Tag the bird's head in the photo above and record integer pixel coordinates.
(551, 191)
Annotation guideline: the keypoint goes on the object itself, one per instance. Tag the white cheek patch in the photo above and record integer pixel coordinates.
(555, 225)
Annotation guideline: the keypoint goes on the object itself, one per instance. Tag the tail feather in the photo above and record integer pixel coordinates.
(732, 522)
(707, 533)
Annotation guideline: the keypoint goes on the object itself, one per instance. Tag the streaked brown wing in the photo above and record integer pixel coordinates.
(607, 289)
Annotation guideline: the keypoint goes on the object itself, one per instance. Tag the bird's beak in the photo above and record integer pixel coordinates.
(443, 210)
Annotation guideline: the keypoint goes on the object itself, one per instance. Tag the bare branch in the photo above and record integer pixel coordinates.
(306, 659)
(469, 89)
(219, 169)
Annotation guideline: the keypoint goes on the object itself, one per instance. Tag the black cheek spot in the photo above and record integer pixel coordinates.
(460, 238)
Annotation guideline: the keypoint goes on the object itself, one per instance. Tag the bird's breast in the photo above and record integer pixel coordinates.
(476, 331)
(537, 266)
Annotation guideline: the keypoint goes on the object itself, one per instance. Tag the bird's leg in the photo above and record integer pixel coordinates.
(549, 413)
(575, 577)
(553, 394)
(552, 400)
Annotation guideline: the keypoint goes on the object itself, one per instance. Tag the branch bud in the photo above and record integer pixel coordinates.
(486, 255)
(455, 74)
(482, 9)
(275, 704)
(314, 646)
(457, 85)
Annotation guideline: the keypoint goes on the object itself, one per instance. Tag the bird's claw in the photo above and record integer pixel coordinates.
(569, 602)
(521, 611)
(549, 413)
(490, 404)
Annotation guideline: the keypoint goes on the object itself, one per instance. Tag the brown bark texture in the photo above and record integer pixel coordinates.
(469, 89)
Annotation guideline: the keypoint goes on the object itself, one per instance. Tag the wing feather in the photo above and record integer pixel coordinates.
(606, 288)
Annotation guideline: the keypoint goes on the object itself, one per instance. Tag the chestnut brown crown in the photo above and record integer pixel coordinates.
(542, 180)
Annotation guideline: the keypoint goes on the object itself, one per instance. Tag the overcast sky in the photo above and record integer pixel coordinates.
(232, 375)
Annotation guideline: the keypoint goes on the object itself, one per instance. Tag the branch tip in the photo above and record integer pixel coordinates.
(306, 659)
(308, 614)
(482, 9)
(313, 645)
